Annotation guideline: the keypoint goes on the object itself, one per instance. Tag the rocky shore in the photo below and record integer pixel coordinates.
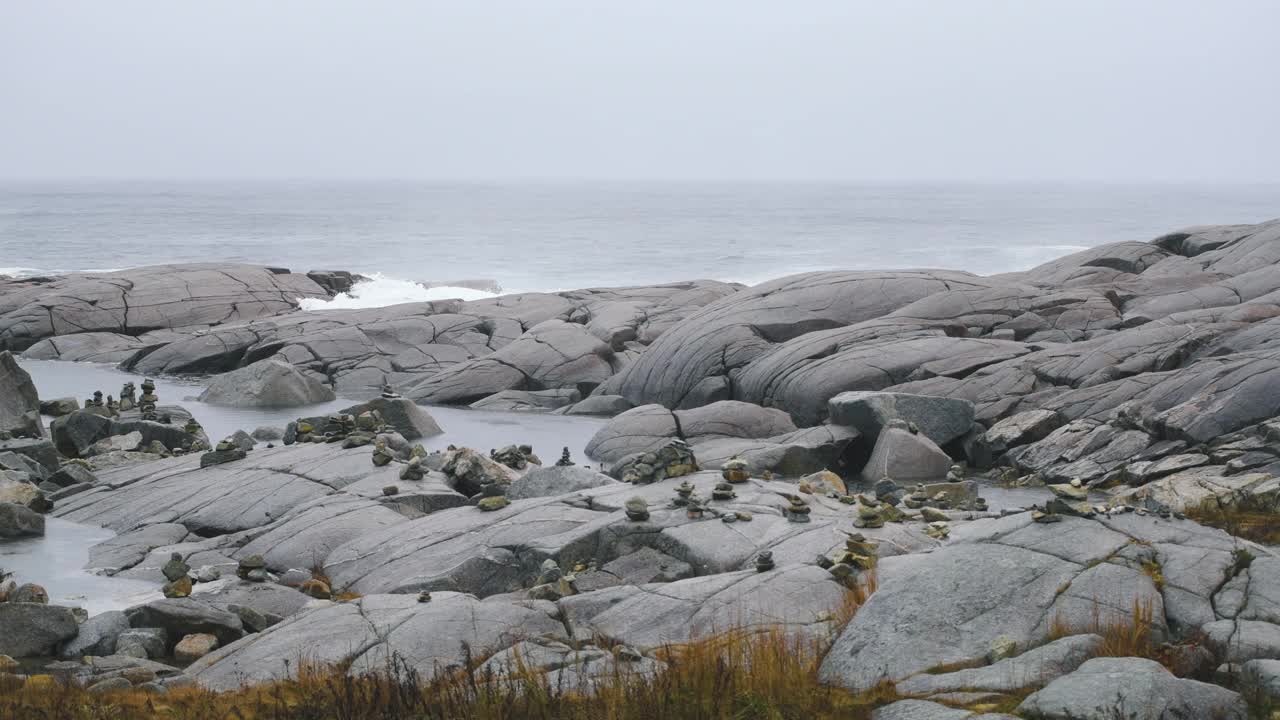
(769, 449)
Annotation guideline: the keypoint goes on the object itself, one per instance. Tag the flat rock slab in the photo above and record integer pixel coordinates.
(1136, 688)
(430, 637)
(800, 599)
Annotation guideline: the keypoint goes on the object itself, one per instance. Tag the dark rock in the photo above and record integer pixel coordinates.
(609, 405)
(72, 473)
(20, 521)
(33, 629)
(19, 403)
(59, 407)
(96, 636)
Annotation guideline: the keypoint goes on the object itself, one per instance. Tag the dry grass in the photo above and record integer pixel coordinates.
(1259, 525)
(764, 674)
(1122, 635)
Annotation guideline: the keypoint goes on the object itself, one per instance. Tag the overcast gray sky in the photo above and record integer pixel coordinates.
(734, 89)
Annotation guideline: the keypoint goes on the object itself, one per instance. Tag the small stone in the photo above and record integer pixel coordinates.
(1002, 647)
(929, 514)
(114, 684)
(179, 588)
(414, 471)
(194, 646)
(637, 509)
(390, 490)
(744, 516)
(250, 564)
(175, 569)
(491, 504)
(735, 470)
(723, 491)
(424, 597)
(764, 561)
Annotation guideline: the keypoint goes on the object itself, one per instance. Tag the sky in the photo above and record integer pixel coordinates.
(814, 90)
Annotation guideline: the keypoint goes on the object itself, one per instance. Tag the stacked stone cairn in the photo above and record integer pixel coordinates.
(177, 573)
(675, 459)
(227, 450)
(147, 403)
(253, 569)
(565, 460)
(858, 555)
(637, 509)
(128, 397)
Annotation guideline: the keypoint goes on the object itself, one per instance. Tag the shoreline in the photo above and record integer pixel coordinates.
(761, 452)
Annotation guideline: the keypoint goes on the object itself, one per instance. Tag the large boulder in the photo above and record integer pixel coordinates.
(34, 629)
(403, 415)
(266, 383)
(185, 616)
(1015, 579)
(96, 636)
(649, 427)
(939, 419)
(1131, 688)
(19, 403)
(556, 480)
(76, 432)
(907, 458)
(19, 521)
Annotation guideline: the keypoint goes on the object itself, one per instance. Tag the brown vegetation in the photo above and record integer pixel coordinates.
(737, 675)
(1256, 524)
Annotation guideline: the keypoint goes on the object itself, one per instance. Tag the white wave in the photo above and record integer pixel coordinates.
(28, 272)
(381, 291)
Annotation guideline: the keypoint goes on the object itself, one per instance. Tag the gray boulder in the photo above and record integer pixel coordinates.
(143, 643)
(20, 521)
(267, 433)
(410, 420)
(19, 403)
(59, 406)
(115, 443)
(75, 433)
(180, 617)
(1031, 669)
(72, 474)
(1132, 688)
(939, 419)
(1260, 679)
(556, 480)
(649, 427)
(34, 629)
(266, 383)
(97, 636)
(906, 458)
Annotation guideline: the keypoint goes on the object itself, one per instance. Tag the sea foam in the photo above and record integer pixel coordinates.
(380, 291)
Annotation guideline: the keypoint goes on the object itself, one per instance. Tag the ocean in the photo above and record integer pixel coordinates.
(554, 236)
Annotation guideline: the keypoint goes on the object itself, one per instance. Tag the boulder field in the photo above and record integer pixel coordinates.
(770, 452)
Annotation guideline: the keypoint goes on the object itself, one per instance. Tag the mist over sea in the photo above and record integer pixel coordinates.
(556, 236)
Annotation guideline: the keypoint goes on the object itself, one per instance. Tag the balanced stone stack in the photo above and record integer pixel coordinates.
(674, 459)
